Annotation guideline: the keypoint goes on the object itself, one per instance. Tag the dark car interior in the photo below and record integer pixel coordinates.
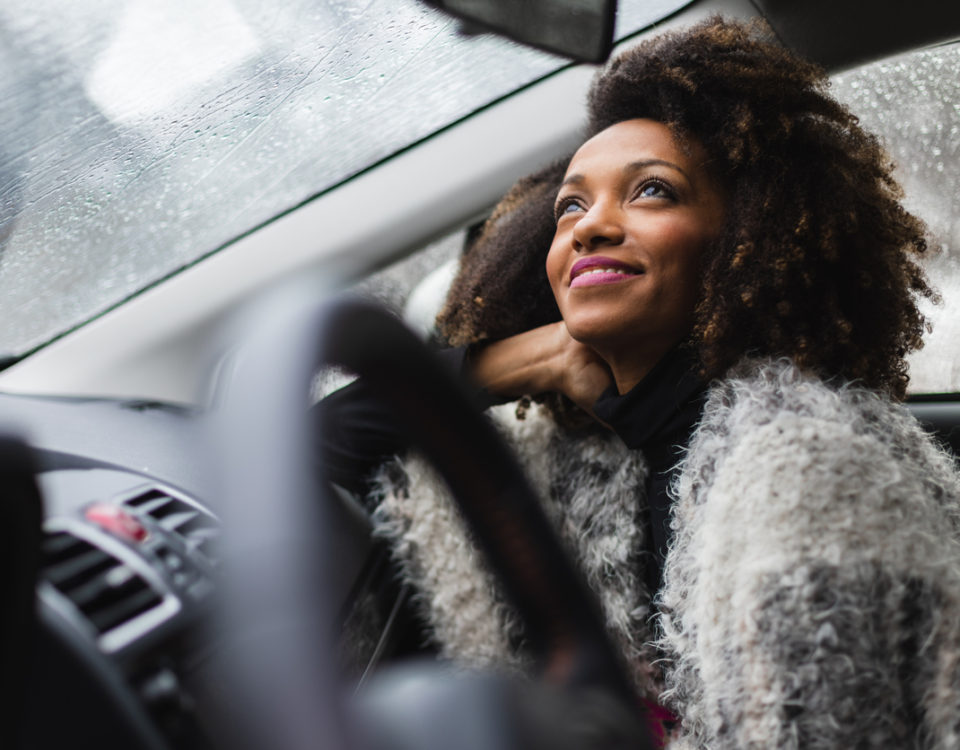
(183, 578)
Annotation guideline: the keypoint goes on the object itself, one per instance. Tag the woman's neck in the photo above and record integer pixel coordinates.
(630, 366)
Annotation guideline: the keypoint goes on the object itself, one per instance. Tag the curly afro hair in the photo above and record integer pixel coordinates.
(501, 287)
(817, 260)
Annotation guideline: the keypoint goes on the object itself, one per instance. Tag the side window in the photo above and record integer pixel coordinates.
(913, 103)
(415, 287)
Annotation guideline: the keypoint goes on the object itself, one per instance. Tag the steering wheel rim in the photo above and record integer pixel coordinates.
(265, 425)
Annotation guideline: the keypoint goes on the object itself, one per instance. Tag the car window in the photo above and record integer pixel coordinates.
(415, 287)
(140, 136)
(913, 103)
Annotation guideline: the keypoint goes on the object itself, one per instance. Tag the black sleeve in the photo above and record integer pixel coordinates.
(358, 431)
(357, 434)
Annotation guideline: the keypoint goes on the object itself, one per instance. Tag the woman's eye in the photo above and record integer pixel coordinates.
(655, 189)
(567, 206)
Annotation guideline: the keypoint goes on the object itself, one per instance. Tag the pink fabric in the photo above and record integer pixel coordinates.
(661, 722)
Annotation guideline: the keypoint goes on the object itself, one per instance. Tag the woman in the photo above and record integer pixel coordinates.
(775, 541)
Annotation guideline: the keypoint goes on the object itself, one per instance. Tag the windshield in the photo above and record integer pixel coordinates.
(142, 135)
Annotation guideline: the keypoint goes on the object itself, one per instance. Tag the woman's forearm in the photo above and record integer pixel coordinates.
(540, 360)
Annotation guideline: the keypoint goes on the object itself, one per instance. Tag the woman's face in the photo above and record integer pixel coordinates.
(633, 215)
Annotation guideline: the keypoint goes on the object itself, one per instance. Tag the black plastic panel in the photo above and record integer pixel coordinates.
(841, 35)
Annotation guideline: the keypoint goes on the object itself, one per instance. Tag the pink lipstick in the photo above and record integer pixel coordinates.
(600, 270)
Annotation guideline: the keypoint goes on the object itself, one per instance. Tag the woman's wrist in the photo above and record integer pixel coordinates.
(541, 360)
(528, 362)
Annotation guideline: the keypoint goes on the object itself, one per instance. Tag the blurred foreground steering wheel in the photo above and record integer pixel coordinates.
(281, 550)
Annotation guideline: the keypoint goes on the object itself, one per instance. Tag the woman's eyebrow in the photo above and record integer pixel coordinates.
(634, 166)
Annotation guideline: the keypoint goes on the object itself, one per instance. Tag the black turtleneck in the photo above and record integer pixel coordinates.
(657, 416)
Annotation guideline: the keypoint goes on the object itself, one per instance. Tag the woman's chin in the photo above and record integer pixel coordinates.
(601, 335)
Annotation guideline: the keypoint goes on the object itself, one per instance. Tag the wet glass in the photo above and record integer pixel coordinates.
(913, 103)
(143, 135)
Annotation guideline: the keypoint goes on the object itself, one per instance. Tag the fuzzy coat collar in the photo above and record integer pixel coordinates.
(812, 590)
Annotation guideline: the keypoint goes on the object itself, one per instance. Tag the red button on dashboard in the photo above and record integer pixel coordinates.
(117, 521)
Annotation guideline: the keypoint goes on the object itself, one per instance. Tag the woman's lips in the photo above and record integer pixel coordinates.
(599, 270)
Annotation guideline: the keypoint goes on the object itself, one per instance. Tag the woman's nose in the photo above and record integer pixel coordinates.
(599, 227)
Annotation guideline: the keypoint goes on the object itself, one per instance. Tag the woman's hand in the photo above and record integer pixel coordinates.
(542, 359)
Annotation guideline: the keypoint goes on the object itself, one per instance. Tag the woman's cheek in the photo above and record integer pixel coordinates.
(554, 267)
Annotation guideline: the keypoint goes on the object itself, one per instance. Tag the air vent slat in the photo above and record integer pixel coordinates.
(200, 526)
(195, 527)
(147, 497)
(102, 587)
(59, 546)
(131, 605)
(83, 566)
(178, 521)
(205, 534)
(160, 508)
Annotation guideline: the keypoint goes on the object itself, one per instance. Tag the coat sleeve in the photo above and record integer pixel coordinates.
(815, 604)
(357, 432)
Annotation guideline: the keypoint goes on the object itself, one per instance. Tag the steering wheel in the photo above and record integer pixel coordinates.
(282, 547)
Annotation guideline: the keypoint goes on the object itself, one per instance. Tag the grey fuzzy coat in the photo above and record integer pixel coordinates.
(811, 595)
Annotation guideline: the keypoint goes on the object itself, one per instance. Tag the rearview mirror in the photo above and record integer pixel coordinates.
(581, 30)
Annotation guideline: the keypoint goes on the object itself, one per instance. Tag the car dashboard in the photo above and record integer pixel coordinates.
(125, 573)
(125, 642)
(126, 569)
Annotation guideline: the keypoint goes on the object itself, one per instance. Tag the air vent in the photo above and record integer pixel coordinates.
(105, 590)
(199, 530)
